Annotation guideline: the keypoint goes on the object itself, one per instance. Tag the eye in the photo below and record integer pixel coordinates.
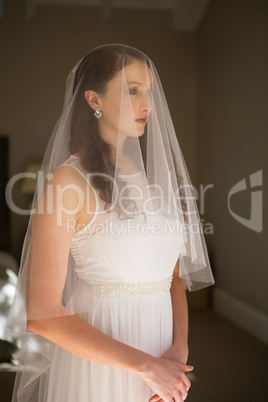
(133, 91)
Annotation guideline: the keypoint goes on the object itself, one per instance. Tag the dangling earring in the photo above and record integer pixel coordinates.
(98, 113)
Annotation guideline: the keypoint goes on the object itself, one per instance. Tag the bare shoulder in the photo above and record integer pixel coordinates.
(66, 175)
(74, 192)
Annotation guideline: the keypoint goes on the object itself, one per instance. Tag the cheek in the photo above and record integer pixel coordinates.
(127, 111)
(128, 118)
(134, 106)
(119, 113)
(111, 111)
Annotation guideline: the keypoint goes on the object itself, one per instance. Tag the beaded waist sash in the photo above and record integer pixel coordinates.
(125, 289)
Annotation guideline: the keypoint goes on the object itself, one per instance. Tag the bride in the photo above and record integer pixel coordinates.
(103, 317)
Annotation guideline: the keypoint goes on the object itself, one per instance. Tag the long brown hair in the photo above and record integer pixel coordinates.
(94, 72)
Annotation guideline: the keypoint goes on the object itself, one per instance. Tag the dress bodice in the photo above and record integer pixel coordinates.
(128, 250)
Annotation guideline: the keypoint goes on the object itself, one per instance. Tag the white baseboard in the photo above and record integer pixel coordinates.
(241, 314)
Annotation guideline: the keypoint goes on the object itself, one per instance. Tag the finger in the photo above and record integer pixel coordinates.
(186, 381)
(155, 398)
(182, 389)
(178, 398)
(183, 393)
(186, 367)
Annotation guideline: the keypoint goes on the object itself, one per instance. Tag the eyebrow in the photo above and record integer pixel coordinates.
(137, 83)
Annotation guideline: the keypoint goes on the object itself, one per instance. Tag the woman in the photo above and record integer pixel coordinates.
(114, 239)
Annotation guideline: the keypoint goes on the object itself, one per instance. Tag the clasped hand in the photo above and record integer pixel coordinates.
(167, 378)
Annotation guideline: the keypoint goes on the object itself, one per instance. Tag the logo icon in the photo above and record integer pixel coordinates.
(255, 220)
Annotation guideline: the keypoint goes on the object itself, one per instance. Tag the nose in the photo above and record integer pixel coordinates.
(146, 105)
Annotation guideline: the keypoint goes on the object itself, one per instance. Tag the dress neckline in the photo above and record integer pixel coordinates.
(120, 175)
(131, 174)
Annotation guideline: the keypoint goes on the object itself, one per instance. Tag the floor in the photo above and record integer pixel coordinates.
(230, 365)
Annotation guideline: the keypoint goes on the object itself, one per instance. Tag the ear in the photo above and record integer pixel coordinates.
(92, 99)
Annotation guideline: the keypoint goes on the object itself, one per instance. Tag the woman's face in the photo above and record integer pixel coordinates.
(125, 104)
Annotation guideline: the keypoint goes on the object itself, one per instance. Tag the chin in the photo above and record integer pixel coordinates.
(140, 133)
(137, 133)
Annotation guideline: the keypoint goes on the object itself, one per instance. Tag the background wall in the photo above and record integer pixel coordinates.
(232, 141)
(36, 57)
(216, 84)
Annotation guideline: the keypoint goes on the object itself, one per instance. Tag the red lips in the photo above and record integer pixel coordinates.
(142, 120)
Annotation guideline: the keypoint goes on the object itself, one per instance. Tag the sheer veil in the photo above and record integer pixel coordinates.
(139, 175)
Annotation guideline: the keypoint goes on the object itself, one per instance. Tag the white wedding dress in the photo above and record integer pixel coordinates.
(123, 291)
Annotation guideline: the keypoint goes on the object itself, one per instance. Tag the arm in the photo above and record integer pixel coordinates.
(96, 346)
(179, 349)
(47, 316)
(48, 262)
(180, 316)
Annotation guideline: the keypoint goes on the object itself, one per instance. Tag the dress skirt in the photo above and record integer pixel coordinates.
(143, 322)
